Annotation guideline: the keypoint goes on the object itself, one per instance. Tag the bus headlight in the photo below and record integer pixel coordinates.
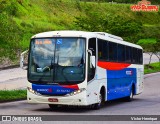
(33, 91)
(76, 92)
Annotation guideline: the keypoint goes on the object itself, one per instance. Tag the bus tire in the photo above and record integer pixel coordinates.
(100, 103)
(130, 98)
(53, 106)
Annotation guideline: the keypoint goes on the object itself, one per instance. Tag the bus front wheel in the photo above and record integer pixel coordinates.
(99, 104)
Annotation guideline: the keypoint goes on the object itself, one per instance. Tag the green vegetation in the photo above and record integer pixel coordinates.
(122, 1)
(11, 95)
(20, 19)
(150, 46)
(152, 68)
(114, 24)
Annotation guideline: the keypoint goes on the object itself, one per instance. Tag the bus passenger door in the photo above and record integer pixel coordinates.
(92, 84)
(91, 68)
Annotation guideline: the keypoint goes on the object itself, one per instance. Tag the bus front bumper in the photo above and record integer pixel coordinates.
(78, 99)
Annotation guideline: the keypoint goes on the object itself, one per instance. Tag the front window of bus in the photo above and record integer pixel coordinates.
(57, 60)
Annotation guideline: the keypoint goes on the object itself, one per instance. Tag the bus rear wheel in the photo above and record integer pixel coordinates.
(130, 98)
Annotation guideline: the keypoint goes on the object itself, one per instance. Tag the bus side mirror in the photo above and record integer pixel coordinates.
(22, 64)
(92, 59)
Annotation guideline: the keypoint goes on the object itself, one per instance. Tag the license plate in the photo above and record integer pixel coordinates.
(52, 99)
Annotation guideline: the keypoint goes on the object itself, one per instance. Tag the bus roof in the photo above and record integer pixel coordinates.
(101, 35)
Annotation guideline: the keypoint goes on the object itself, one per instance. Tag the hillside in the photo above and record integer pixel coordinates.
(20, 19)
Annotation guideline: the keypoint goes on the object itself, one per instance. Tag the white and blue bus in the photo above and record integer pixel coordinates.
(82, 68)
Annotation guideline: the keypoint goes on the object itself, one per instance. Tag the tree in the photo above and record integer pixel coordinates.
(150, 46)
(157, 52)
(114, 24)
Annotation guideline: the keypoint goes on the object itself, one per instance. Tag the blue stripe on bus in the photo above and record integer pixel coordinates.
(119, 82)
(52, 89)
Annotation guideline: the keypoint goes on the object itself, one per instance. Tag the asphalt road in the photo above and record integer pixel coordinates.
(15, 78)
(147, 103)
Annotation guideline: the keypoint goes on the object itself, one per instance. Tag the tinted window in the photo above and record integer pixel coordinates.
(140, 56)
(112, 51)
(109, 51)
(105, 50)
(92, 45)
(134, 55)
(128, 54)
(121, 53)
(102, 50)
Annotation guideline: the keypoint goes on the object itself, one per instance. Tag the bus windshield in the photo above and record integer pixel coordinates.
(57, 61)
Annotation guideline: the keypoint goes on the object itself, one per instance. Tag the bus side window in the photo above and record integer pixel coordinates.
(121, 53)
(141, 56)
(128, 54)
(112, 52)
(91, 46)
(134, 55)
(102, 50)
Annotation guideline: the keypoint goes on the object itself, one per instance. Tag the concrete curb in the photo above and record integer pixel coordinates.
(14, 100)
(151, 74)
(9, 67)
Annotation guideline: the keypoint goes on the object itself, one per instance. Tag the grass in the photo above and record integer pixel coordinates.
(152, 68)
(11, 95)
